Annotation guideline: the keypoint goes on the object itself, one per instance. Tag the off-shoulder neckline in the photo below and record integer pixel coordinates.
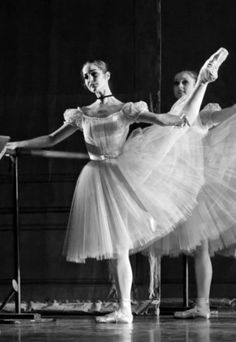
(104, 117)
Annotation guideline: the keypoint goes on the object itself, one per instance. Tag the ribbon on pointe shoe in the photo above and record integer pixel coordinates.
(209, 70)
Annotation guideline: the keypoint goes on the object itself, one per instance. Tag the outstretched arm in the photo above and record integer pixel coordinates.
(162, 119)
(44, 141)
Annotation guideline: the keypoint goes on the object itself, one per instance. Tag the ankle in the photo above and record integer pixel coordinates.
(203, 303)
(202, 82)
(125, 306)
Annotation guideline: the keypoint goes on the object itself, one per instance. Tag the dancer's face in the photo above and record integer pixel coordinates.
(183, 84)
(94, 78)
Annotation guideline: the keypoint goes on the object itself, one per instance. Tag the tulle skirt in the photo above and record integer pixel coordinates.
(129, 202)
(222, 185)
(214, 218)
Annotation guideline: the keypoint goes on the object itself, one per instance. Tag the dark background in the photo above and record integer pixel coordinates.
(43, 47)
(191, 31)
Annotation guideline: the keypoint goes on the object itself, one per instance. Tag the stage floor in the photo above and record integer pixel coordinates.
(144, 329)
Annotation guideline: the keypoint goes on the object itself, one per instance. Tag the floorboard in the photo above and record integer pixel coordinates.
(144, 329)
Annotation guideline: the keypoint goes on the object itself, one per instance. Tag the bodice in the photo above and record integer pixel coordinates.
(105, 136)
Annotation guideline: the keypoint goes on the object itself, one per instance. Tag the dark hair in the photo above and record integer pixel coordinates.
(191, 73)
(99, 63)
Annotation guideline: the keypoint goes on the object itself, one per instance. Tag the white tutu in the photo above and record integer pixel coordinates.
(129, 200)
(214, 218)
(220, 194)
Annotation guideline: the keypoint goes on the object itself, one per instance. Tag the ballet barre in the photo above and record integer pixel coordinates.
(16, 281)
(47, 154)
(14, 157)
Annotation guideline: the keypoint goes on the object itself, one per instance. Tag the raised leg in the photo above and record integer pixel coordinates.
(190, 107)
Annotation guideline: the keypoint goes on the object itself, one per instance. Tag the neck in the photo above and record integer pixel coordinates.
(102, 97)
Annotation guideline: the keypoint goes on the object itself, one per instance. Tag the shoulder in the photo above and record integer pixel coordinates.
(91, 107)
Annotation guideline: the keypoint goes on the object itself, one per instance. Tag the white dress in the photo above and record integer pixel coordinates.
(134, 191)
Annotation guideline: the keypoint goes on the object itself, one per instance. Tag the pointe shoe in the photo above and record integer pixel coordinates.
(115, 317)
(192, 313)
(209, 71)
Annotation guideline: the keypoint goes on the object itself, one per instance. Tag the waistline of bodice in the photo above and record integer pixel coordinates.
(95, 153)
(102, 156)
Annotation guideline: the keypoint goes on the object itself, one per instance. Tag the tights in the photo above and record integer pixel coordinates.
(122, 273)
(203, 274)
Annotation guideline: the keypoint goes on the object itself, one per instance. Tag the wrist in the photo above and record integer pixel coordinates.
(21, 144)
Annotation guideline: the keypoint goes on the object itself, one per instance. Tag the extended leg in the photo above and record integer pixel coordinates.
(208, 73)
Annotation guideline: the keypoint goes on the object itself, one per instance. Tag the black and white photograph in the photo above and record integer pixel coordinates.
(117, 171)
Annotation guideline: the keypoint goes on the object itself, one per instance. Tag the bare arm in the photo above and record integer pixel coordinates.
(44, 141)
(162, 119)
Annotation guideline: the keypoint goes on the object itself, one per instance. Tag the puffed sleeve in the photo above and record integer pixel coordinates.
(206, 114)
(74, 117)
(132, 110)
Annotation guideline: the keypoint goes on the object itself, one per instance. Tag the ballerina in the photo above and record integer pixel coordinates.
(113, 212)
(211, 226)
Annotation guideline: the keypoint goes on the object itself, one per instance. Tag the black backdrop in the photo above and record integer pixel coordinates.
(46, 42)
(43, 46)
(192, 31)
